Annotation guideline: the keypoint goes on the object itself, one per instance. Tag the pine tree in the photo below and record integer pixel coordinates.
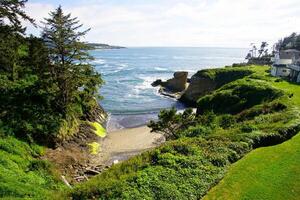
(11, 36)
(11, 10)
(70, 67)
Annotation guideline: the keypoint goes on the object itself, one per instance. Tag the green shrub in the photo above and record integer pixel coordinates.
(36, 165)
(263, 109)
(238, 96)
(248, 128)
(227, 121)
(196, 131)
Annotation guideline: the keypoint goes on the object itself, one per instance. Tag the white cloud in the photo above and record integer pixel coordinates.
(232, 23)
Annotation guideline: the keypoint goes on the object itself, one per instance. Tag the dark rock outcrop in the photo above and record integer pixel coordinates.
(176, 84)
(158, 82)
(173, 87)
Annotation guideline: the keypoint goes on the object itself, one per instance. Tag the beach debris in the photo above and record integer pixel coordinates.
(65, 181)
(90, 171)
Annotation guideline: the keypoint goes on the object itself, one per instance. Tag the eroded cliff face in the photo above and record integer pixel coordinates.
(97, 115)
(199, 86)
(72, 156)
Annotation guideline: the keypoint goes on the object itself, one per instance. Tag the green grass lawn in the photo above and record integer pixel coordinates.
(265, 173)
(269, 172)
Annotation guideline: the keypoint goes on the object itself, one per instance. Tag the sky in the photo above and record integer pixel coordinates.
(193, 23)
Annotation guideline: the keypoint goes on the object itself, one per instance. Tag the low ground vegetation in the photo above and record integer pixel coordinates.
(23, 174)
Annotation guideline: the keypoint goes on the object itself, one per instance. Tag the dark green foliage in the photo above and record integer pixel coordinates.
(227, 121)
(290, 42)
(261, 110)
(238, 96)
(12, 11)
(76, 79)
(248, 128)
(278, 137)
(196, 131)
(40, 94)
(32, 80)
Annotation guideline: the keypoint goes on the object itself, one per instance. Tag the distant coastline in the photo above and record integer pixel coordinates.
(105, 46)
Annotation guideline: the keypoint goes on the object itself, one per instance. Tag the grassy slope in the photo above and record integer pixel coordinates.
(265, 173)
(22, 174)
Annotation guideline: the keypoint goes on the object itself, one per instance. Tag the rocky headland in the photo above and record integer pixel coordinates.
(104, 46)
(203, 82)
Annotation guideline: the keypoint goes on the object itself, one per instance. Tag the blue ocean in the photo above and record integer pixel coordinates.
(128, 95)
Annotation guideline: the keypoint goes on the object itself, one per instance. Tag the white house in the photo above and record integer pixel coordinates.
(287, 65)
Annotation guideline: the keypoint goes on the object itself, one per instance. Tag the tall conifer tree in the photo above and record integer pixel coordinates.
(11, 36)
(70, 68)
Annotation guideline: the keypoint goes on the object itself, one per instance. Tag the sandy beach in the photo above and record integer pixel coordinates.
(122, 144)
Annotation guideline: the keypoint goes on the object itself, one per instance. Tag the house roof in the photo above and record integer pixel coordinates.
(291, 50)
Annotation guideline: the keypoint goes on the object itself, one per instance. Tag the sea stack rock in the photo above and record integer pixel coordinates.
(178, 83)
(174, 87)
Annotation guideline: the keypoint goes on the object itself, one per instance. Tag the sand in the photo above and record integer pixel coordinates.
(125, 143)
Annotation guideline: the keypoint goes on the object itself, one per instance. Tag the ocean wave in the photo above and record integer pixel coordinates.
(178, 57)
(99, 61)
(120, 69)
(146, 84)
(123, 65)
(161, 69)
(220, 58)
(144, 57)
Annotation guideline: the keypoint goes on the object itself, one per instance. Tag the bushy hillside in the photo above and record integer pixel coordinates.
(199, 156)
(23, 174)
